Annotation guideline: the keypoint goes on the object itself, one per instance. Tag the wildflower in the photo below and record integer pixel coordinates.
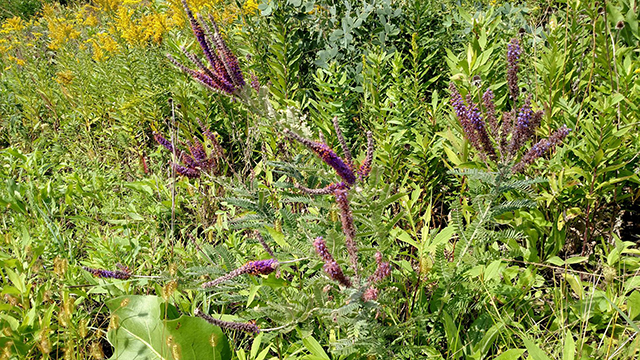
(197, 160)
(13, 24)
(327, 155)
(255, 83)
(525, 125)
(490, 111)
(259, 267)
(346, 218)
(472, 122)
(365, 168)
(541, 147)
(250, 7)
(224, 74)
(331, 267)
(513, 60)
(250, 327)
(107, 274)
(382, 271)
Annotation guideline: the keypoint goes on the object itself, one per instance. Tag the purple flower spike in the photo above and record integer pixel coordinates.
(476, 121)
(490, 110)
(349, 230)
(335, 272)
(249, 327)
(540, 148)
(371, 294)
(328, 156)
(197, 151)
(365, 168)
(185, 171)
(321, 249)
(261, 267)
(107, 274)
(513, 60)
(162, 141)
(224, 74)
(255, 83)
(331, 267)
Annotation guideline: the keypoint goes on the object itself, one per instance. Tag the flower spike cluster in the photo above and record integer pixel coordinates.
(223, 73)
(348, 172)
(518, 125)
(196, 159)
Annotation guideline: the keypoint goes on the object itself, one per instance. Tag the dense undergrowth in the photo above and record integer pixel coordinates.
(446, 231)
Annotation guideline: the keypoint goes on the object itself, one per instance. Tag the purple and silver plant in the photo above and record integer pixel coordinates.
(196, 159)
(250, 326)
(331, 267)
(258, 267)
(513, 61)
(223, 73)
(121, 274)
(518, 125)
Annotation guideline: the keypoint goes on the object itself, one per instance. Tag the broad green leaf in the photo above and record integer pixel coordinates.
(140, 331)
(511, 354)
(633, 304)
(569, 350)
(314, 347)
(534, 351)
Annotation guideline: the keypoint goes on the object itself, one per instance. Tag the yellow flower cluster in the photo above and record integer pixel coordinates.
(139, 31)
(61, 27)
(250, 7)
(104, 26)
(14, 24)
(103, 45)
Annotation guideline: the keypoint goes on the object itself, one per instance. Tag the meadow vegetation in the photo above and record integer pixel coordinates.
(319, 179)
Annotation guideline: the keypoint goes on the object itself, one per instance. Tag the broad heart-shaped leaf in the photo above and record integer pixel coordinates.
(146, 328)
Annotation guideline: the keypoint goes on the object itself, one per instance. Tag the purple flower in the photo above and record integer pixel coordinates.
(327, 155)
(349, 230)
(186, 171)
(250, 327)
(335, 272)
(224, 74)
(476, 121)
(107, 274)
(513, 59)
(540, 148)
(365, 168)
(331, 267)
(490, 111)
(162, 141)
(526, 124)
(472, 123)
(255, 83)
(371, 294)
(259, 267)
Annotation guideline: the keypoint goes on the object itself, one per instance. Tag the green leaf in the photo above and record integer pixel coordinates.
(534, 351)
(314, 347)
(511, 354)
(141, 332)
(633, 304)
(453, 340)
(569, 351)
